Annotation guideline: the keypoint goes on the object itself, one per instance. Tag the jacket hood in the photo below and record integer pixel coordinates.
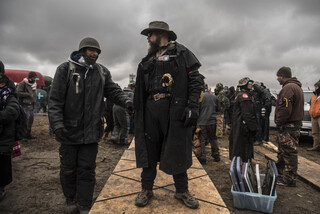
(293, 80)
(76, 58)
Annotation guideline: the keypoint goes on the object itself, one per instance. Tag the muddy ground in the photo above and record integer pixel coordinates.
(36, 186)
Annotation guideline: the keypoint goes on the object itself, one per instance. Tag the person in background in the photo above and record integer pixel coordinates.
(121, 119)
(314, 112)
(108, 115)
(225, 104)
(166, 102)
(265, 112)
(207, 123)
(76, 105)
(244, 123)
(288, 118)
(27, 94)
(231, 97)
(9, 112)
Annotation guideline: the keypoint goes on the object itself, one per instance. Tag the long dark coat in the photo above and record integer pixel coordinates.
(243, 127)
(176, 154)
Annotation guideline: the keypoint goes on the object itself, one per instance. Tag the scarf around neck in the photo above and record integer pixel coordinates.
(5, 92)
(33, 85)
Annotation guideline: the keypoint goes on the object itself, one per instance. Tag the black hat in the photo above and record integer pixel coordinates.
(159, 26)
(1, 67)
(284, 72)
(317, 84)
(32, 74)
(3, 78)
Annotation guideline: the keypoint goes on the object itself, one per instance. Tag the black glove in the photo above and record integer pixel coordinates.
(129, 106)
(61, 134)
(190, 116)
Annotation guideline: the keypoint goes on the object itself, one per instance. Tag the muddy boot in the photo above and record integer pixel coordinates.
(71, 207)
(114, 138)
(84, 210)
(2, 192)
(187, 199)
(143, 197)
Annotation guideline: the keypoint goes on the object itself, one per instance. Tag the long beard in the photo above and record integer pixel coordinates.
(154, 46)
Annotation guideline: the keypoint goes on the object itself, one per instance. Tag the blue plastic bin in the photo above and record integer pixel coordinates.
(253, 201)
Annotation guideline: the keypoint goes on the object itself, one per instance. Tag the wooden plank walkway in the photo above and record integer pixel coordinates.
(122, 187)
(307, 170)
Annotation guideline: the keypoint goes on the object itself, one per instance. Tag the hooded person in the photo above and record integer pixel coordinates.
(9, 112)
(76, 106)
(3, 71)
(289, 113)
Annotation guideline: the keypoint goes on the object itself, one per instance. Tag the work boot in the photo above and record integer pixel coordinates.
(84, 210)
(281, 182)
(216, 158)
(143, 197)
(71, 207)
(315, 148)
(203, 161)
(114, 139)
(187, 199)
(2, 192)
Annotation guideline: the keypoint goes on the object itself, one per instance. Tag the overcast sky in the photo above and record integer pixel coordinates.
(231, 38)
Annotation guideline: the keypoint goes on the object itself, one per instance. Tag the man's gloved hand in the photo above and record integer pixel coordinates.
(61, 134)
(129, 106)
(190, 116)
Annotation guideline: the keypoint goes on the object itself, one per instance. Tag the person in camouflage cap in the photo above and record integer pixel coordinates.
(224, 105)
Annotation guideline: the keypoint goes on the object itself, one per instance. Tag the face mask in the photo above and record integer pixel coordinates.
(31, 81)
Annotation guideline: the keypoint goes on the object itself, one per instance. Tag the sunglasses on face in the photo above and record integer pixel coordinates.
(150, 34)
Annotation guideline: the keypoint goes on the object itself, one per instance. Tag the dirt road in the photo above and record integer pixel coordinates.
(36, 186)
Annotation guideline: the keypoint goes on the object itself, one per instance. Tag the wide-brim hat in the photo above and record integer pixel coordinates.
(157, 26)
(244, 81)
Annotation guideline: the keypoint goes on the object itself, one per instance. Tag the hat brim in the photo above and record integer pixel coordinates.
(172, 36)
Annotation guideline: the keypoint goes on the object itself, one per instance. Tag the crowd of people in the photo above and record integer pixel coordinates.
(167, 107)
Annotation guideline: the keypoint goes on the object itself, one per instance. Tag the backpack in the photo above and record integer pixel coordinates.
(20, 125)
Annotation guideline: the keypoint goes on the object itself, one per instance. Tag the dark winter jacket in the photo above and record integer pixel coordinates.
(26, 94)
(8, 117)
(80, 111)
(290, 103)
(176, 153)
(243, 127)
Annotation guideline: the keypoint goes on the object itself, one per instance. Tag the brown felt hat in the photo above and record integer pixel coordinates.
(159, 26)
(284, 72)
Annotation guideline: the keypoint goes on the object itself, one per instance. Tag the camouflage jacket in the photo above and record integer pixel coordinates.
(224, 102)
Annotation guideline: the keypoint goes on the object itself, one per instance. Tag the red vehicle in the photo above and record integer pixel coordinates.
(18, 75)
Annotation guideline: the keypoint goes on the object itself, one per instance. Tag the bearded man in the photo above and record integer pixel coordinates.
(166, 103)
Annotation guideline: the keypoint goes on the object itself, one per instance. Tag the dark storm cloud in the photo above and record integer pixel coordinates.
(231, 38)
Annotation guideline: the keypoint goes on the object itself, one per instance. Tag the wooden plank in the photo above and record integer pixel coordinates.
(122, 187)
(308, 170)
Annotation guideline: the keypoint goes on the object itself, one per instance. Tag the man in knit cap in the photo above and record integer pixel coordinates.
(288, 116)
